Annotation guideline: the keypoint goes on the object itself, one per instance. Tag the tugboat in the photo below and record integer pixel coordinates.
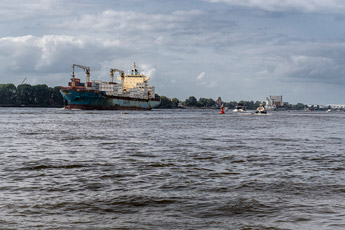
(261, 110)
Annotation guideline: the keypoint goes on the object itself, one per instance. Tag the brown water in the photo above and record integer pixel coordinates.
(171, 169)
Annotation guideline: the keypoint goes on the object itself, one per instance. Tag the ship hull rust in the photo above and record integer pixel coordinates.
(83, 99)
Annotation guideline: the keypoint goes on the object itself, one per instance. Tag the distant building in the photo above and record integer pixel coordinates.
(219, 102)
(274, 102)
(336, 106)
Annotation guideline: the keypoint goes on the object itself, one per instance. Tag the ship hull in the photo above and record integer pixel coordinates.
(96, 100)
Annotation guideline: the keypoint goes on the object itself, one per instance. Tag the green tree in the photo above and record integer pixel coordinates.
(175, 102)
(25, 94)
(206, 102)
(191, 101)
(202, 102)
(41, 95)
(211, 102)
(8, 94)
(250, 105)
(231, 104)
(56, 98)
(165, 103)
(257, 104)
(300, 106)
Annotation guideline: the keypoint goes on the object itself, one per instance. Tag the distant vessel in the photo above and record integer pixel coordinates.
(261, 110)
(239, 108)
(131, 93)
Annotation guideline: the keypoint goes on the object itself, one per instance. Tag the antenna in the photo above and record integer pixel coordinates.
(23, 81)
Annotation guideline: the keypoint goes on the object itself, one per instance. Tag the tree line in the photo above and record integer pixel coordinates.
(204, 103)
(44, 96)
(169, 103)
(30, 95)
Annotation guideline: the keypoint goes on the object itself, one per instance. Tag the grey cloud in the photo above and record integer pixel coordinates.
(14, 10)
(319, 6)
(318, 62)
(129, 21)
(52, 53)
(244, 56)
(317, 69)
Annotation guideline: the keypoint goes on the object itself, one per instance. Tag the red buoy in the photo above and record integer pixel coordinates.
(222, 110)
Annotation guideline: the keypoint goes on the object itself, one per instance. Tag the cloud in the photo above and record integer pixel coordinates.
(200, 76)
(205, 82)
(307, 61)
(112, 21)
(316, 69)
(244, 56)
(177, 30)
(50, 54)
(147, 70)
(14, 10)
(320, 6)
(43, 58)
(212, 84)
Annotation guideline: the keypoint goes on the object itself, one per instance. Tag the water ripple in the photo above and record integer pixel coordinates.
(171, 169)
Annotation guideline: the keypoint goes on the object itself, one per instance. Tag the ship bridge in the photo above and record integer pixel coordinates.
(134, 79)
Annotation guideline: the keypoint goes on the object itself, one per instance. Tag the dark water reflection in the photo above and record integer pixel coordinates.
(171, 169)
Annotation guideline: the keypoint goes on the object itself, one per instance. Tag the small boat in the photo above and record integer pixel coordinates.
(239, 108)
(261, 110)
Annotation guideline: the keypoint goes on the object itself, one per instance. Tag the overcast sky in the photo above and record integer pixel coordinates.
(236, 49)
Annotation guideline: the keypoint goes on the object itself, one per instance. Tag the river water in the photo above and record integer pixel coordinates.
(171, 169)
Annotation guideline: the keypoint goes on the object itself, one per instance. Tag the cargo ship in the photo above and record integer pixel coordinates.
(132, 92)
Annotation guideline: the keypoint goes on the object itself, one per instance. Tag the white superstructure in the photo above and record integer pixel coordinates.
(134, 85)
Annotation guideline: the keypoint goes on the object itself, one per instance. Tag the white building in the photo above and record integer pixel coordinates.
(274, 102)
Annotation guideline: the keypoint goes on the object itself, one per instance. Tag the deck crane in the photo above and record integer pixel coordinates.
(85, 68)
(112, 71)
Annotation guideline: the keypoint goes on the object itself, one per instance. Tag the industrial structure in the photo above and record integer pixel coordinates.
(274, 102)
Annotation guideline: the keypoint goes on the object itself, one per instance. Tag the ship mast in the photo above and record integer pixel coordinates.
(135, 71)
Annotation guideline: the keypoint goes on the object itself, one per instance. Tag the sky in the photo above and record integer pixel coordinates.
(233, 49)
